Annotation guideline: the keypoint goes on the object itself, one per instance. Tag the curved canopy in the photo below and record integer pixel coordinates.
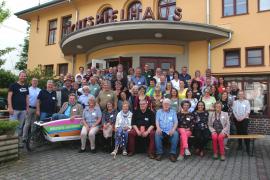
(132, 32)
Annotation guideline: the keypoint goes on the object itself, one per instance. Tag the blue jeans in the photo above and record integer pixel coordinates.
(20, 116)
(173, 140)
(59, 116)
(44, 115)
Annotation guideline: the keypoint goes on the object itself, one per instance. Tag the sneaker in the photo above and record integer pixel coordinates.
(151, 156)
(124, 152)
(114, 152)
(222, 158)
(130, 154)
(81, 151)
(158, 158)
(187, 152)
(180, 158)
(227, 147)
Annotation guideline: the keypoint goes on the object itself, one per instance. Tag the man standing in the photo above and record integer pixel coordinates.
(94, 87)
(170, 75)
(147, 73)
(31, 116)
(46, 102)
(184, 76)
(166, 123)
(66, 91)
(18, 101)
(162, 83)
(138, 79)
(106, 95)
(143, 122)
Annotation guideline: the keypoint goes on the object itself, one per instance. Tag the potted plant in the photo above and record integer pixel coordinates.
(8, 140)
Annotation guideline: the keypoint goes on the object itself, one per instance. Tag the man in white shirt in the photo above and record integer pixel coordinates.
(81, 73)
(31, 116)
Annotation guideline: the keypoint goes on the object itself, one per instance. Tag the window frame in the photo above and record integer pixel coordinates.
(131, 4)
(242, 81)
(49, 65)
(234, 9)
(254, 48)
(259, 6)
(66, 27)
(58, 68)
(224, 58)
(167, 6)
(53, 29)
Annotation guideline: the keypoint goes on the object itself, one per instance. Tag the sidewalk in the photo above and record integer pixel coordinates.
(63, 162)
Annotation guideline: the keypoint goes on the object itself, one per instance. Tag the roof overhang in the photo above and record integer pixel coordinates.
(130, 32)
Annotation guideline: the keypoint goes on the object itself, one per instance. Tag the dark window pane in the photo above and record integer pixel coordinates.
(241, 6)
(232, 58)
(254, 57)
(264, 5)
(228, 7)
(66, 24)
(63, 69)
(135, 6)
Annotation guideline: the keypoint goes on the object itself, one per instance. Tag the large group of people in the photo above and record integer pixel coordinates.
(140, 104)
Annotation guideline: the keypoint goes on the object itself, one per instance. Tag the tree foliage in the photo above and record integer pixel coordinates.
(41, 75)
(22, 63)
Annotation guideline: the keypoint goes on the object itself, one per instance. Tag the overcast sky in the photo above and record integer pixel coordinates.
(13, 30)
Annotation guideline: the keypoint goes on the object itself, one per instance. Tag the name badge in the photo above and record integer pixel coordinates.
(74, 110)
(146, 119)
(175, 103)
(244, 105)
(149, 76)
(170, 118)
(188, 119)
(198, 94)
(93, 113)
(222, 117)
(53, 98)
(111, 116)
(108, 95)
(139, 83)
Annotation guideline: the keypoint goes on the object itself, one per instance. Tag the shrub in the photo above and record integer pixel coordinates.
(3, 92)
(6, 78)
(8, 127)
(41, 75)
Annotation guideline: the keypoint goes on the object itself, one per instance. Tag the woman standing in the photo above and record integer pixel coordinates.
(91, 120)
(219, 126)
(241, 111)
(167, 93)
(221, 85)
(157, 99)
(108, 121)
(198, 78)
(193, 101)
(197, 93)
(201, 131)
(130, 74)
(176, 82)
(175, 103)
(208, 100)
(151, 88)
(186, 124)
(182, 91)
(122, 126)
(141, 96)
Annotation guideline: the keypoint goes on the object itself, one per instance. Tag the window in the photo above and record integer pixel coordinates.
(255, 56)
(66, 24)
(235, 7)
(256, 91)
(48, 69)
(166, 9)
(264, 5)
(52, 32)
(231, 57)
(137, 5)
(62, 69)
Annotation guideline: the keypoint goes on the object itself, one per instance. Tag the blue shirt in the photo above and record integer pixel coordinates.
(33, 94)
(139, 81)
(84, 99)
(166, 120)
(68, 111)
(91, 116)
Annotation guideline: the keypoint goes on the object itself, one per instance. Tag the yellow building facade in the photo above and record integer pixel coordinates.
(229, 36)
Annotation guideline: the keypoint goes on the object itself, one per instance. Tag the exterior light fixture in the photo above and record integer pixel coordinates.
(109, 38)
(158, 35)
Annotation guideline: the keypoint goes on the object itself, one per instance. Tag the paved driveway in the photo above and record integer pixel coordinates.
(62, 161)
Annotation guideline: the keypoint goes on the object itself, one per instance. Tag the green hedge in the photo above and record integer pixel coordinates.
(3, 93)
(6, 78)
(8, 127)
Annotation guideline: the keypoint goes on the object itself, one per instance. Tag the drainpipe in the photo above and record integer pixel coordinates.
(209, 42)
(222, 43)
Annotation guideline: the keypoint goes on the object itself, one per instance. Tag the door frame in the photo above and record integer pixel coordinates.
(171, 60)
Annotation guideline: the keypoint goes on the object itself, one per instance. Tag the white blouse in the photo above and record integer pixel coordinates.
(241, 109)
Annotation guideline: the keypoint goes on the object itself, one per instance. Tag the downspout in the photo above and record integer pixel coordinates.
(209, 42)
